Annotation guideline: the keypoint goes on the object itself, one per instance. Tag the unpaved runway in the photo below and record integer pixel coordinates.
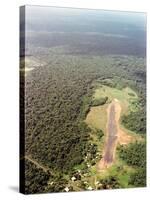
(112, 135)
(113, 115)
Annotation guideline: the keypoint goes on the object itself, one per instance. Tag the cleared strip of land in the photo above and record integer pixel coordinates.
(45, 169)
(114, 135)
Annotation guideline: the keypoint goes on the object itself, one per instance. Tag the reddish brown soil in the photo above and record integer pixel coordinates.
(114, 135)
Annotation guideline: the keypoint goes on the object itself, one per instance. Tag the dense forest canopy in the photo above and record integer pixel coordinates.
(82, 31)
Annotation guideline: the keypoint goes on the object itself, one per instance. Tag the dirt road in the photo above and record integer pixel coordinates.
(113, 116)
(112, 135)
(45, 169)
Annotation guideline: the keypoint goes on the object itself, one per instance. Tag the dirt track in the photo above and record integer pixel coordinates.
(114, 135)
(45, 169)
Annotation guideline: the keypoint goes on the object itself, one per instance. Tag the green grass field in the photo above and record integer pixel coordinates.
(126, 96)
(97, 119)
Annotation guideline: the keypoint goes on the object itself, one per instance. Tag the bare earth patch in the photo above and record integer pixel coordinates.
(28, 69)
(30, 64)
(114, 135)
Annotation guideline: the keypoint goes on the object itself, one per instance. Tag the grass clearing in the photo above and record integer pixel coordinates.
(123, 95)
(120, 170)
(97, 119)
(97, 116)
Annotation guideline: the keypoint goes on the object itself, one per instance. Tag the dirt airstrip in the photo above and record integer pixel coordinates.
(114, 135)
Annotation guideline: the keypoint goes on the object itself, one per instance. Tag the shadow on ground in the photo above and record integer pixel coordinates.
(14, 188)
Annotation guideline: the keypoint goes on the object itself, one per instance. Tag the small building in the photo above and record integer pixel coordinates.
(73, 178)
(90, 188)
(66, 189)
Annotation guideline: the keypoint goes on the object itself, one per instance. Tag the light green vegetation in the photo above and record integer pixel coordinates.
(128, 102)
(120, 171)
(97, 116)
